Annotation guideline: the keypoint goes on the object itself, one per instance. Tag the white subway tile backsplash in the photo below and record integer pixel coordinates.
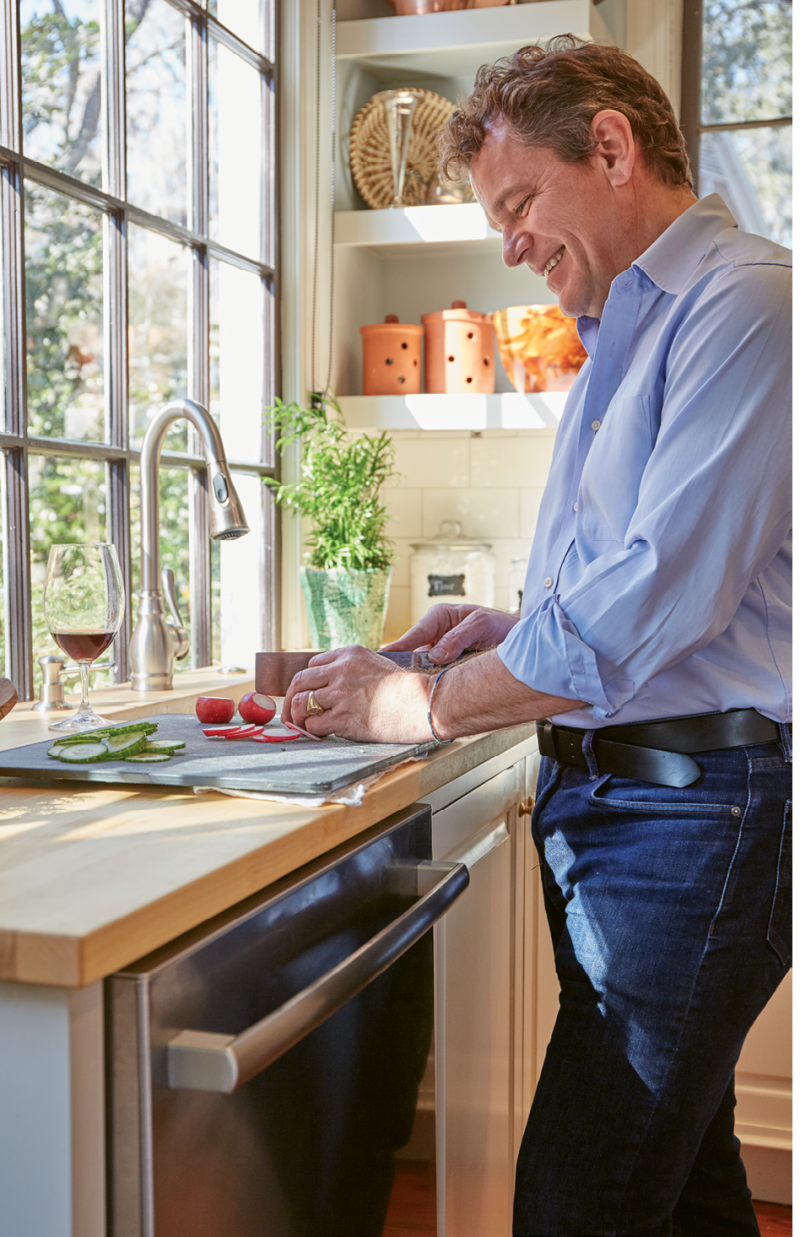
(398, 614)
(405, 512)
(529, 503)
(400, 570)
(514, 461)
(440, 462)
(482, 513)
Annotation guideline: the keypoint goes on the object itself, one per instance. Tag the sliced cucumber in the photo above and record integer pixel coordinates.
(83, 753)
(120, 745)
(90, 736)
(149, 758)
(164, 745)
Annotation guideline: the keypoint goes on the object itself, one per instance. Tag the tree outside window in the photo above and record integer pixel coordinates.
(737, 108)
(123, 290)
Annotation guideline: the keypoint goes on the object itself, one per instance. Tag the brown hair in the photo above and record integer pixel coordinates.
(548, 96)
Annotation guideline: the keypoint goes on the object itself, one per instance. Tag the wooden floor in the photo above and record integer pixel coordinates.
(412, 1207)
(773, 1220)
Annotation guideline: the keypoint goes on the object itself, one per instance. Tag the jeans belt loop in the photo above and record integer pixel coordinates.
(544, 734)
(587, 747)
(785, 732)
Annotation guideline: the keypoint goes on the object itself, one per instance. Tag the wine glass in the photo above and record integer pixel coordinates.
(84, 601)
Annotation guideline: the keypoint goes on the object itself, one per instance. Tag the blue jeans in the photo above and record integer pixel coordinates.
(670, 917)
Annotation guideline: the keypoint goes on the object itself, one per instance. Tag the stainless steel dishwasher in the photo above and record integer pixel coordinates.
(263, 1071)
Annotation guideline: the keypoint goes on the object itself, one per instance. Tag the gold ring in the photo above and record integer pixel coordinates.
(312, 706)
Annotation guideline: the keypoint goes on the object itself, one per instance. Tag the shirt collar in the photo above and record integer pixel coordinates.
(674, 256)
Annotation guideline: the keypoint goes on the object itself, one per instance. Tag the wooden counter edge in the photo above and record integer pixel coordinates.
(74, 962)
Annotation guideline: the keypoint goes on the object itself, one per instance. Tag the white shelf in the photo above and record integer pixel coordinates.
(455, 44)
(413, 231)
(454, 412)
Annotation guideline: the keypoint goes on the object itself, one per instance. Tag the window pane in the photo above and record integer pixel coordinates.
(3, 645)
(237, 583)
(237, 369)
(173, 509)
(64, 304)
(158, 315)
(752, 170)
(62, 91)
(243, 17)
(747, 67)
(156, 103)
(67, 504)
(235, 180)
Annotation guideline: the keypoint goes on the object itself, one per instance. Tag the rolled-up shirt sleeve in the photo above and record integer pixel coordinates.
(711, 512)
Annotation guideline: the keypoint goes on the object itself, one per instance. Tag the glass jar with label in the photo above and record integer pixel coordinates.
(450, 568)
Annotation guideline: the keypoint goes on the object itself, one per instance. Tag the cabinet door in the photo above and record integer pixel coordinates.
(480, 1024)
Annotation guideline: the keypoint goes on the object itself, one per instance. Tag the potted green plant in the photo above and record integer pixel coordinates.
(349, 562)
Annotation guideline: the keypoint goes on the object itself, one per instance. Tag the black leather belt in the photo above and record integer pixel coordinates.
(658, 751)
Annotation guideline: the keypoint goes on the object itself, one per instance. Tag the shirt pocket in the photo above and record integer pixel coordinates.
(609, 488)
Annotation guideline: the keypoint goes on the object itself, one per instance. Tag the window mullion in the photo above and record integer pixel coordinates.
(17, 557)
(199, 545)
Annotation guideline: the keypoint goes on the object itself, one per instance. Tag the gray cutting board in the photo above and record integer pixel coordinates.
(301, 766)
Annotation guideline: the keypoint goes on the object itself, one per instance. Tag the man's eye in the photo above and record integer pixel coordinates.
(523, 206)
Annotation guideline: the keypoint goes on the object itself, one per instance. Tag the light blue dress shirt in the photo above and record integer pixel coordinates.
(659, 582)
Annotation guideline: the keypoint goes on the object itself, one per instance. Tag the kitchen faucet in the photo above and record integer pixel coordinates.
(155, 641)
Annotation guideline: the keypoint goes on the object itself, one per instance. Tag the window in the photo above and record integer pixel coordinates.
(137, 250)
(737, 108)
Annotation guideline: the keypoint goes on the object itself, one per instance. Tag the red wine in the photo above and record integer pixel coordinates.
(83, 645)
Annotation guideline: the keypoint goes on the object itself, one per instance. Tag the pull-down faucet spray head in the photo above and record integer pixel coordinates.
(155, 642)
(225, 516)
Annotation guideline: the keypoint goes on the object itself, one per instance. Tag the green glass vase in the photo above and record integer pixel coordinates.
(345, 606)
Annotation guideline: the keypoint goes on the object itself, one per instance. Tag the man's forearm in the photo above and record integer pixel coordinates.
(480, 694)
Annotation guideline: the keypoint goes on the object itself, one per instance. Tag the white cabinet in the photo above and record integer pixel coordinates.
(485, 1002)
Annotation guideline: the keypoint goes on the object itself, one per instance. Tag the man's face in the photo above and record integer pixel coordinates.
(563, 220)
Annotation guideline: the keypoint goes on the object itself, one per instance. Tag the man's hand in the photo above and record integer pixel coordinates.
(446, 631)
(364, 697)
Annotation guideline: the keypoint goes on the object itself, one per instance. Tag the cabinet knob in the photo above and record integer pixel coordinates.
(526, 808)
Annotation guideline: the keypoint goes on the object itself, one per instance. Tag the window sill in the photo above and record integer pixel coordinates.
(120, 703)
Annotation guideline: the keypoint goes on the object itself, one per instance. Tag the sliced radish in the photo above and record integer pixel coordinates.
(219, 732)
(274, 734)
(307, 733)
(243, 732)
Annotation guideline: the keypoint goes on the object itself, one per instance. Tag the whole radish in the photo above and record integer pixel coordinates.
(256, 707)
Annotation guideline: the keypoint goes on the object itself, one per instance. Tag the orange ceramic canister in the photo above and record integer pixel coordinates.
(392, 357)
(459, 351)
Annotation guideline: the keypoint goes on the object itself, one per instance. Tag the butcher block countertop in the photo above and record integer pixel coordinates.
(93, 878)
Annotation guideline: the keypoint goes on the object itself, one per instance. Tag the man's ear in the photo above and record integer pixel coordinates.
(616, 146)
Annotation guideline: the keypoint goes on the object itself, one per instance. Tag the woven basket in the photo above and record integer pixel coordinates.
(370, 160)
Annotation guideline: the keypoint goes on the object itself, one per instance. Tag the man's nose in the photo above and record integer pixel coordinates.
(515, 245)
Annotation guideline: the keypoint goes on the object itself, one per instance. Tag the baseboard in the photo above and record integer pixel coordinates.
(769, 1173)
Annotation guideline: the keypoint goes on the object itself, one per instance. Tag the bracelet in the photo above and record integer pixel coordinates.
(439, 741)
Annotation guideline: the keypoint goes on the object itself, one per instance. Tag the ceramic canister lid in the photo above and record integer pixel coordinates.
(450, 538)
(457, 312)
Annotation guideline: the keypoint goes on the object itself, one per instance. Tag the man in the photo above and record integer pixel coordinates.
(654, 634)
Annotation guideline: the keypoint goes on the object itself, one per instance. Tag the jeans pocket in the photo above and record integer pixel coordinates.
(779, 932)
(632, 796)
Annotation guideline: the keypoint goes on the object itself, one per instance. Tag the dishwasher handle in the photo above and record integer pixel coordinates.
(206, 1061)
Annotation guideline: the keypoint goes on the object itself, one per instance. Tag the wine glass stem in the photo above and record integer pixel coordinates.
(83, 666)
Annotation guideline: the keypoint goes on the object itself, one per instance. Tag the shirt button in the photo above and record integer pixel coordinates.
(548, 582)
(574, 506)
(596, 425)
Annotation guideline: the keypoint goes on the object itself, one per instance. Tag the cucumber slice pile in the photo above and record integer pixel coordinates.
(83, 753)
(130, 742)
